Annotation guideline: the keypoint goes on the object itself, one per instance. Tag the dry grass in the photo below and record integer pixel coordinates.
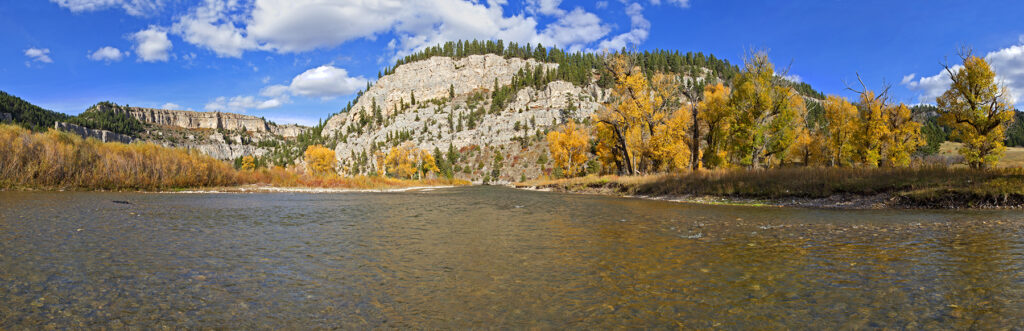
(58, 160)
(1013, 158)
(926, 186)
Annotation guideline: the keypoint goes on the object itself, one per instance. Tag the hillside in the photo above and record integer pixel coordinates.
(483, 109)
(224, 136)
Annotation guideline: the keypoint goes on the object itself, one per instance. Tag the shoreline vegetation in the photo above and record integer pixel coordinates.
(55, 160)
(931, 187)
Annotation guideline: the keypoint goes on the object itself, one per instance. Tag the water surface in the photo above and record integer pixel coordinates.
(487, 257)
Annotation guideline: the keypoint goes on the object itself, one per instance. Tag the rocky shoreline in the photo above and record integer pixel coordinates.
(837, 201)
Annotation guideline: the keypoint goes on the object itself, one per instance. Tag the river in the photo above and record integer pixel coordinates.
(494, 257)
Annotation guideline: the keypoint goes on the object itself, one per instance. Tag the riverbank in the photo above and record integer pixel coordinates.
(849, 188)
(59, 161)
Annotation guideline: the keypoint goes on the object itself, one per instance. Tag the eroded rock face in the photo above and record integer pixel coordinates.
(84, 132)
(465, 122)
(431, 79)
(207, 120)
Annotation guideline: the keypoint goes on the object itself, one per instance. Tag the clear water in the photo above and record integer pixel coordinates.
(491, 257)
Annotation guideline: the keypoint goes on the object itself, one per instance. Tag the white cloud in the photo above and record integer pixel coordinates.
(132, 7)
(289, 26)
(151, 44)
(640, 27)
(107, 54)
(210, 26)
(1008, 64)
(680, 3)
(574, 30)
(907, 79)
(274, 91)
(545, 7)
(241, 103)
(171, 106)
(325, 81)
(601, 4)
(793, 78)
(38, 55)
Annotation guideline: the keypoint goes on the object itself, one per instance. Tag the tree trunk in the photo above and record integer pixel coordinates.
(695, 138)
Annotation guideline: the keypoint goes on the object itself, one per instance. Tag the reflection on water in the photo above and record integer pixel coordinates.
(483, 257)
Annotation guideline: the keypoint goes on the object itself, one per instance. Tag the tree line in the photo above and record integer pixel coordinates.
(665, 122)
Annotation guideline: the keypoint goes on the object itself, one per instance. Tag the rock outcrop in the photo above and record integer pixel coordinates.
(431, 79)
(466, 122)
(6, 117)
(84, 132)
(205, 120)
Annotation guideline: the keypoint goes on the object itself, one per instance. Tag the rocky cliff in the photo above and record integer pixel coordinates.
(204, 120)
(467, 122)
(84, 132)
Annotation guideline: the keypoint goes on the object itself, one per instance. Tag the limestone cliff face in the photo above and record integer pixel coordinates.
(84, 132)
(467, 121)
(431, 79)
(206, 120)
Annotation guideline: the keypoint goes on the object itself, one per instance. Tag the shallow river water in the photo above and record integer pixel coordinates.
(492, 257)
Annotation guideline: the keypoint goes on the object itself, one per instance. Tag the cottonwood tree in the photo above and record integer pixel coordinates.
(769, 113)
(977, 108)
(568, 147)
(887, 134)
(841, 123)
(635, 130)
(716, 114)
(319, 159)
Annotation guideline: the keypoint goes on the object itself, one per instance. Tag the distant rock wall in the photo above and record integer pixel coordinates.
(207, 120)
(84, 132)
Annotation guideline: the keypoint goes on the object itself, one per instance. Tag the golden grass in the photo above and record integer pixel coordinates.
(1013, 157)
(58, 160)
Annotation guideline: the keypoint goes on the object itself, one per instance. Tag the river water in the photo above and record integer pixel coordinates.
(492, 257)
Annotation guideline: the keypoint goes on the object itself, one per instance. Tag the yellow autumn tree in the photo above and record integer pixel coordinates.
(978, 109)
(769, 114)
(426, 163)
(874, 129)
(248, 162)
(380, 163)
(904, 136)
(717, 115)
(627, 127)
(407, 161)
(401, 161)
(319, 159)
(568, 149)
(841, 123)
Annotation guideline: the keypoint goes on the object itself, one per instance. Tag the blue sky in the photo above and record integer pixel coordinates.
(300, 60)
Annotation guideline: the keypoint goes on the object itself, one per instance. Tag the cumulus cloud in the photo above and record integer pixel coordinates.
(325, 81)
(132, 7)
(209, 26)
(793, 78)
(1008, 64)
(289, 26)
(38, 55)
(640, 27)
(151, 44)
(240, 103)
(545, 7)
(107, 54)
(170, 106)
